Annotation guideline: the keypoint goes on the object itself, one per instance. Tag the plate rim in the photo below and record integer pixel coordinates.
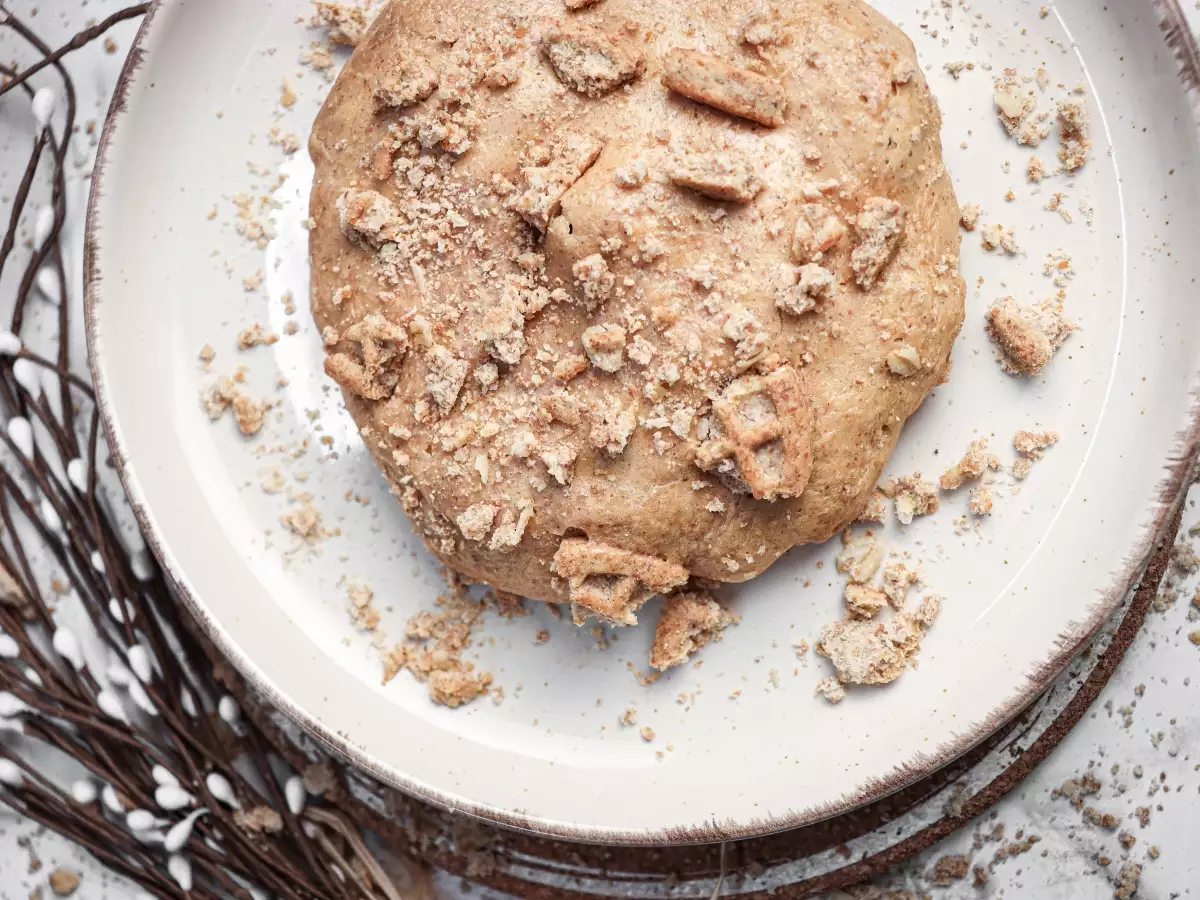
(1184, 47)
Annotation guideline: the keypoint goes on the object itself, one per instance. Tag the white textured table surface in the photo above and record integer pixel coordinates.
(1141, 739)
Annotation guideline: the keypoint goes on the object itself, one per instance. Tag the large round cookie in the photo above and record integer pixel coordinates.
(635, 291)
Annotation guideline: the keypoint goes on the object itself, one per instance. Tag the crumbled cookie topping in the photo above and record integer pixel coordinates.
(817, 231)
(904, 361)
(613, 423)
(721, 175)
(610, 582)
(369, 218)
(559, 459)
(589, 61)
(812, 284)
(475, 522)
(511, 527)
(879, 229)
(546, 182)
(406, 81)
(761, 27)
(713, 81)
(446, 376)
(605, 346)
(593, 276)
(763, 436)
(502, 331)
(370, 366)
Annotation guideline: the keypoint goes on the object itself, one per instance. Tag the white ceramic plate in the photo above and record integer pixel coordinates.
(1021, 592)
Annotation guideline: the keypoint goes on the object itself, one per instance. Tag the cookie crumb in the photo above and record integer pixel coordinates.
(863, 602)
(1013, 102)
(1073, 126)
(475, 522)
(860, 556)
(689, 621)
(980, 501)
(875, 512)
(405, 81)
(896, 580)
(949, 869)
(255, 336)
(831, 689)
(912, 495)
(974, 463)
(969, 216)
(593, 276)
(1027, 335)
(760, 28)
(1128, 877)
(904, 361)
(1033, 444)
(875, 652)
(345, 24)
(993, 236)
(304, 521)
(605, 346)
(64, 882)
(224, 394)
(287, 95)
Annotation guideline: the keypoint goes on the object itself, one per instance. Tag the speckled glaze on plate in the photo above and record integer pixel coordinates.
(1022, 592)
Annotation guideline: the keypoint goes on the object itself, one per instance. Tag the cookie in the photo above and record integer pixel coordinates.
(624, 294)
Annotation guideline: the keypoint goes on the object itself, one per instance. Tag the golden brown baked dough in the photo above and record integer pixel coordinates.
(628, 291)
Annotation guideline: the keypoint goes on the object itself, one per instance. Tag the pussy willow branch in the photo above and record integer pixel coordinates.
(313, 856)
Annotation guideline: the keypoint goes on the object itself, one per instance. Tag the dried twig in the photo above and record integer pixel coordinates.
(151, 727)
